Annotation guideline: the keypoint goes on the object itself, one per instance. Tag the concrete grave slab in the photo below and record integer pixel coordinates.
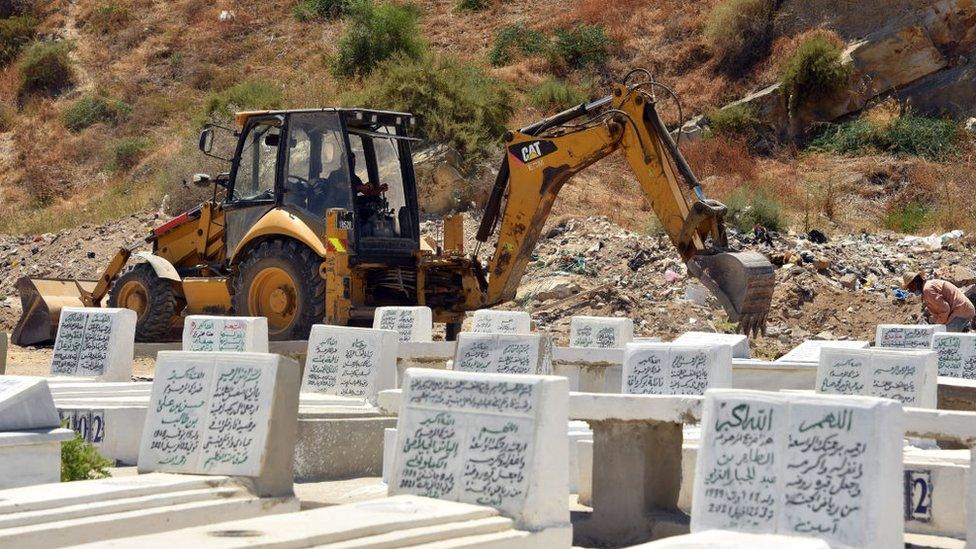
(672, 369)
(350, 362)
(908, 376)
(225, 333)
(411, 323)
(600, 331)
(488, 439)
(828, 467)
(30, 457)
(26, 403)
(957, 354)
(488, 321)
(503, 353)
(906, 336)
(738, 342)
(724, 539)
(223, 414)
(809, 350)
(94, 342)
(400, 521)
(72, 513)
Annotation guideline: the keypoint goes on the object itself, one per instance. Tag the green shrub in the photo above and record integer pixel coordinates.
(376, 33)
(932, 138)
(908, 218)
(458, 104)
(556, 95)
(251, 94)
(813, 71)
(81, 461)
(513, 40)
(108, 18)
(738, 120)
(749, 207)
(45, 68)
(740, 33)
(326, 9)
(126, 152)
(15, 34)
(472, 5)
(92, 110)
(582, 45)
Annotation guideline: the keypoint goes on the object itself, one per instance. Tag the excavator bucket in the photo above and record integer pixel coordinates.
(743, 283)
(42, 301)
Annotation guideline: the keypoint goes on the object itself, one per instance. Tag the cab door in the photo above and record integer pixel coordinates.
(255, 182)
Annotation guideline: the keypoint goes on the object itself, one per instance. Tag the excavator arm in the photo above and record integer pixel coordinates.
(542, 157)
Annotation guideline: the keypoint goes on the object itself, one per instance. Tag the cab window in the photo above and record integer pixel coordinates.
(316, 177)
(255, 177)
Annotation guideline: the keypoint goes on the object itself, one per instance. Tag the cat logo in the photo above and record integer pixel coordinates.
(531, 150)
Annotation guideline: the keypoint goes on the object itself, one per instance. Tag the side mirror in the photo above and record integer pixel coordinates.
(201, 180)
(206, 140)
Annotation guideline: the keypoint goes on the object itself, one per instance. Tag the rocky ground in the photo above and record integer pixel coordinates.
(841, 288)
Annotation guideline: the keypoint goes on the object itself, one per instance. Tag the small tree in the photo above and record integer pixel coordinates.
(739, 33)
(376, 33)
(81, 461)
(814, 71)
(45, 68)
(582, 45)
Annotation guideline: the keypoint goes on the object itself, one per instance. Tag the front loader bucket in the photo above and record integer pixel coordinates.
(743, 283)
(42, 301)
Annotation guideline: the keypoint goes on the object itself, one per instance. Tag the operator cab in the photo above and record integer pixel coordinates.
(309, 161)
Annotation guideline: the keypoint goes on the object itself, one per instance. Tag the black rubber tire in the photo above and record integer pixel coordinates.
(302, 264)
(164, 305)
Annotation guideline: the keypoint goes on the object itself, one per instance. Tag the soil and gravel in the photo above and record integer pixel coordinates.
(839, 289)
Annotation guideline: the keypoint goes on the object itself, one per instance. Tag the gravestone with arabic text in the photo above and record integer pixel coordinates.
(819, 466)
(223, 413)
(906, 336)
(410, 323)
(488, 321)
(908, 376)
(503, 353)
(602, 332)
(94, 342)
(671, 369)
(957, 354)
(243, 334)
(488, 439)
(350, 362)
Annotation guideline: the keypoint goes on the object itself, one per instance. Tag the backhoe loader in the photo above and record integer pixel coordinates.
(316, 221)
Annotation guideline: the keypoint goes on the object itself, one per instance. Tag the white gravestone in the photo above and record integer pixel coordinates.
(957, 354)
(487, 321)
(602, 332)
(818, 466)
(503, 353)
(669, 369)
(351, 362)
(26, 403)
(223, 413)
(906, 336)
(94, 342)
(488, 439)
(809, 350)
(412, 323)
(738, 342)
(244, 334)
(910, 377)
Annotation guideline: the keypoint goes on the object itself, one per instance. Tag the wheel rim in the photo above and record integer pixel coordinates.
(134, 295)
(273, 294)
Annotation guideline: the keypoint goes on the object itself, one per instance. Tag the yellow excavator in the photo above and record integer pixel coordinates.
(317, 221)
